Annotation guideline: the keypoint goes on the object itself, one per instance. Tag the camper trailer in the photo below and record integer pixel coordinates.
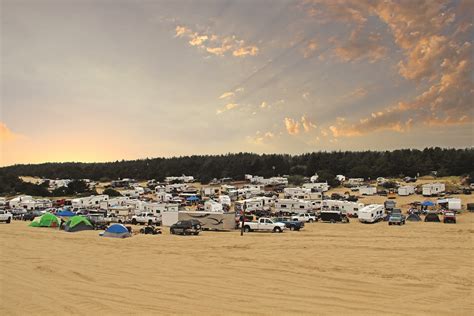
(371, 213)
(433, 189)
(293, 206)
(212, 206)
(92, 201)
(406, 190)
(225, 200)
(209, 192)
(367, 190)
(208, 220)
(452, 204)
(254, 204)
(317, 186)
(346, 207)
(295, 193)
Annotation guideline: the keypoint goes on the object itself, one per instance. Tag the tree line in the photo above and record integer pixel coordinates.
(365, 164)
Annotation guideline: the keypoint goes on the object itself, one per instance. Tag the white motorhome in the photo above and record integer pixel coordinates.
(15, 202)
(367, 190)
(371, 213)
(431, 189)
(293, 206)
(406, 190)
(209, 191)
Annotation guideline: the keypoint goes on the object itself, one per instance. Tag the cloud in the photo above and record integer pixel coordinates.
(310, 49)
(260, 138)
(305, 95)
(226, 95)
(227, 107)
(436, 49)
(217, 45)
(263, 105)
(6, 134)
(356, 94)
(292, 126)
(307, 124)
(244, 51)
(361, 46)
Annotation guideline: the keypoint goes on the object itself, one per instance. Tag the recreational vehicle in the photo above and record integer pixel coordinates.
(367, 190)
(406, 190)
(212, 206)
(317, 186)
(371, 213)
(432, 189)
(293, 206)
(452, 204)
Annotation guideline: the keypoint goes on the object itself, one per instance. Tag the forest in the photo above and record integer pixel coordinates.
(365, 164)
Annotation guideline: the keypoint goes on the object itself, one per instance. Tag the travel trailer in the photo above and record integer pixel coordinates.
(293, 206)
(433, 189)
(212, 206)
(452, 204)
(371, 213)
(346, 207)
(295, 193)
(406, 190)
(367, 190)
(317, 186)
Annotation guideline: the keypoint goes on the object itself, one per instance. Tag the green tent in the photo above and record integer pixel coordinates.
(46, 220)
(78, 223)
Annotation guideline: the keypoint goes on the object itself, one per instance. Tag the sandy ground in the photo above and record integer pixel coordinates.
(419, 268)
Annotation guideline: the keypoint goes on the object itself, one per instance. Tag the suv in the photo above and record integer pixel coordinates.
(449, 217)
(145, 218)
(396, 219)
(305, 217)
(5, 216)
(188, 227)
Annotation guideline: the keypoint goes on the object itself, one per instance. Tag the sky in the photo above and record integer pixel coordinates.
(106, 80)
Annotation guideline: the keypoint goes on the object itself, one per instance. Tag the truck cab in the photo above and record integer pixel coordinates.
(264, 224)
(5, 216)
(145, 218)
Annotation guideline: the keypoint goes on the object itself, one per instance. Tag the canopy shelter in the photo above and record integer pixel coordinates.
(65, 213)
(192, 198)
(46, 220)
(428, 203)
(78, 223)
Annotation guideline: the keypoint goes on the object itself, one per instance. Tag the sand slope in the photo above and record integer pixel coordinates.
(421, 268)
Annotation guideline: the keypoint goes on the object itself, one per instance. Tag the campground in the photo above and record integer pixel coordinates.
(418, 268)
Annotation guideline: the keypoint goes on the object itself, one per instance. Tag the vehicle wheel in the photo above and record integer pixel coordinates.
(196, 233)
(172, 232)
(150, 222)
(142, 231)
(333, 221)
(134, 221)
(277, 230)
(310, 220)
(292, 227)
(9, 220)
(247, 229)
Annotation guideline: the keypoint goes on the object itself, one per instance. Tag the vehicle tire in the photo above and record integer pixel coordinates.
(277, 230)
(134, 221)
(196, 233)
(292, 227)
(333, 221)
(142, 231)
(310, 220)
(150, 222)
(9, 220)
(172, 232)
(247, 229)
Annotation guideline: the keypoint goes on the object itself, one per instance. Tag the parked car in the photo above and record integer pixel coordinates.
(98, 220)
(449, 217)
(397, 219)
(145, 218)
(305, 217)
(150, 230)
(264, 224)
(289, 223)
(5, 216)
(29, 216)
(188, 227)
(333, 216)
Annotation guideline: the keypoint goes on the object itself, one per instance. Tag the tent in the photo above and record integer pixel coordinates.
(65, 213)
(46, 220)
(78, 223)
(117, 231)
(427, 203)
(432, 217)
(414, 217)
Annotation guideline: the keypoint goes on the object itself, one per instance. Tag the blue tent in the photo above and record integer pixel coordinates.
(192, 198)
(117, 231)
(65, 213)
(427, 203)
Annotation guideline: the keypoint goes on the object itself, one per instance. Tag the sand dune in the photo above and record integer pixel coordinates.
(420, 268)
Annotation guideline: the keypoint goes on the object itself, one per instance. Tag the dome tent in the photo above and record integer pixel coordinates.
(46, 220)
(116, 231)
(432, 217)
(78, 223)
(414, 217)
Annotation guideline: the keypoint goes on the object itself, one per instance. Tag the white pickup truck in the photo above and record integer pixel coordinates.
(5, 216)
(145, 218)
(265, 224)
(304, 217)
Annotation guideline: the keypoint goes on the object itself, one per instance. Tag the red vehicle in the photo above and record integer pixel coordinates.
(449, 217)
